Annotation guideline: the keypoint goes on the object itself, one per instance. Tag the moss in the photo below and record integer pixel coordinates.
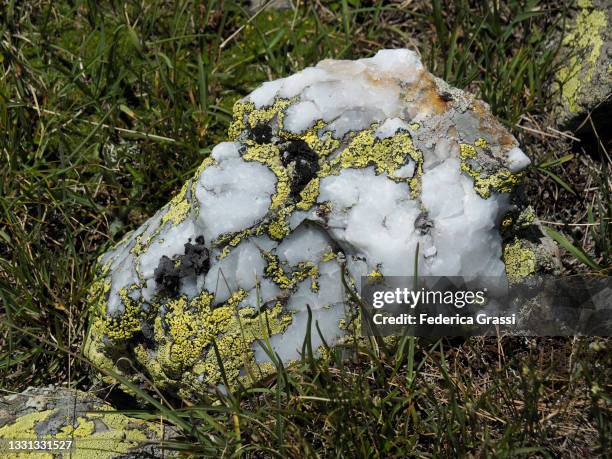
(520, 261)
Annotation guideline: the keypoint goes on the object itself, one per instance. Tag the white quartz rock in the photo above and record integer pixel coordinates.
(336, 172)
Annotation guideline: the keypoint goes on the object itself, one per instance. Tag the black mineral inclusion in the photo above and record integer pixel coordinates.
(169, 272)
(305, 164)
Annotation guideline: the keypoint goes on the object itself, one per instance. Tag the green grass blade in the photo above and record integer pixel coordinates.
(575, 251)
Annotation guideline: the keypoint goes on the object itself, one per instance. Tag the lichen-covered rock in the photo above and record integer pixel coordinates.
(98, 432)
(338, 170)
(586, 76)
(528, 251)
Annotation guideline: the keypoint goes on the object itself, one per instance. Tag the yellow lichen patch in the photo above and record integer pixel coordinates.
(585, 38)
(123, 327)
(526, 218)
(269, 155)
(278, 227)
(240, 111)
(520, 261)
(236, 298)
(266, 114)
(231, 240)
(210, 161)
(309, 194)
(140, 245)
(502, 181)
(185, 342)
(375, 275)
(304, 270)
(117, 436)
(83, 428)
(481, 143)
(245, 115)
(149, 361)
(23, 429)
(178, 207)
(234, 345)
(274, 271)
(363, 149)
(190, 327)
(98, 292)
(466, 151)
(94, 352)
(328, 256)
(323, 144)
(121, 434)
(387, 155)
